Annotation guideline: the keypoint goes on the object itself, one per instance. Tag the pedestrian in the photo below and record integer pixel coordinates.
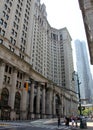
(67, 121)
(72, 120)
(58, 121)
(76, 121)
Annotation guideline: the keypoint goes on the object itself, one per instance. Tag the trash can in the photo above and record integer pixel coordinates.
(83, 123)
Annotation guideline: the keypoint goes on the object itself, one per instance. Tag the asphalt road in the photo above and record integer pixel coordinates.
(42, 124)
(38, 125)
(25, 128)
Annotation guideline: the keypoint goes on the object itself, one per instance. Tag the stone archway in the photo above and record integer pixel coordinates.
(34, 111)
(40, 106)
(5, 108)
(17, 104)
(58, 105)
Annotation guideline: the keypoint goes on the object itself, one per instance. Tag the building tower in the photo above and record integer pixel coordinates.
(83, 69)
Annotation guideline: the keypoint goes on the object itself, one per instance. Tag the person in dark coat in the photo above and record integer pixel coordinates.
(67, 121)
(58, 121)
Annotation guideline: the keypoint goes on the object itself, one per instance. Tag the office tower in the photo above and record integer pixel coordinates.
(83, 69)
(52, 52)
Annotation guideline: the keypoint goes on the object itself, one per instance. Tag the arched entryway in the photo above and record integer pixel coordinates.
(17, 104)
(58, 105)
(5, 108)
(34, 111)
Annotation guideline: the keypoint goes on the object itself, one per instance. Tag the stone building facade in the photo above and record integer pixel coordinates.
(39, 99)
(86, 7)
(35, 69)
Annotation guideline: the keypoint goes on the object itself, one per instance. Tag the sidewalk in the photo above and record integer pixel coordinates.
(89, 126)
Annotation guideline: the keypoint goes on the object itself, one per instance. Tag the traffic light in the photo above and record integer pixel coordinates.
(26, 86)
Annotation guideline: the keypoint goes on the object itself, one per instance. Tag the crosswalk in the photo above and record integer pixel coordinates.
(53, 127)
(41, 124)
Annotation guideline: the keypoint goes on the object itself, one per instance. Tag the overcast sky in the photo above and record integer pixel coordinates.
(66, 13)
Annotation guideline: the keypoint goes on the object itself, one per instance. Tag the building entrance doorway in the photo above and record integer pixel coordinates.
(5, 108)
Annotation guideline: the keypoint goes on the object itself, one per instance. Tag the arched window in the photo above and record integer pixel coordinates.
(17, 102)
(4, 97)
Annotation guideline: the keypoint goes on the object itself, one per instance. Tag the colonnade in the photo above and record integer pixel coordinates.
(38, 101)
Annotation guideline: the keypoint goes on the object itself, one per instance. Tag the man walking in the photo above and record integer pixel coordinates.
(58, 121)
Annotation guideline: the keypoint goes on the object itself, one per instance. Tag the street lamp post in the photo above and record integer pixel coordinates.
(82, 121)
(78, 83)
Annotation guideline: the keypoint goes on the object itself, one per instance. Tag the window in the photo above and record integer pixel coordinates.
(13, 31)
(11, 39)
(10, 69)
(9, 47)
(15, 25)
(17, 6)
(10, 4)
(6, 68)
(3, 33)
(15, 34)
(14, 41)
(16, 11)
(7, 17)
(5, 7)
(4, 13)
(1, 21)
(1, 41)
(5, 77)
(7, 1)
(61, 37)
(8, 10)
(5, 24)
(20, 75)
(8, 80)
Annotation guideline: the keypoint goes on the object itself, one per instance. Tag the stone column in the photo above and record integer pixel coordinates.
(66, 106)
(49, 103)
(71, 106)
(12, 94)
(43, 102)
(2, 69)
(38, 102)
(64, 109)
(62, 106)
(24, 102)
(32, 100)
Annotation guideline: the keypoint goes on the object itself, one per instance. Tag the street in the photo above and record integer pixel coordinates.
(34, 125)
(42, 124)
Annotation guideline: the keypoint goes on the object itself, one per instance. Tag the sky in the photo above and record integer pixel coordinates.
(66, 13)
